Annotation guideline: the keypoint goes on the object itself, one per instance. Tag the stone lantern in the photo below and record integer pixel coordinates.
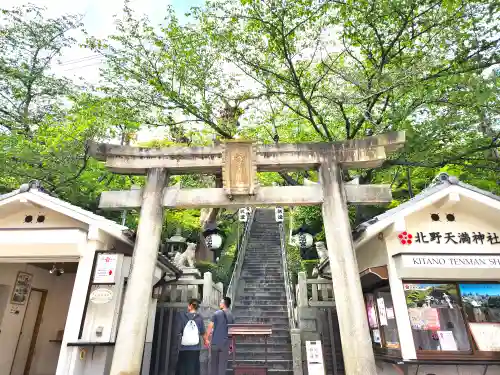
(176, 243)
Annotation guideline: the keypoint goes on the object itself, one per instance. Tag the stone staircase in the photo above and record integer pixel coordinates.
(261, 298)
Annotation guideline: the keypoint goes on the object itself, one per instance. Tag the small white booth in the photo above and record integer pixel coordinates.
(430, 272)
(63, 274)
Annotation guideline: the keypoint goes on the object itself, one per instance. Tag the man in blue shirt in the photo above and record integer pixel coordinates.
(188, 362)
(219, 349)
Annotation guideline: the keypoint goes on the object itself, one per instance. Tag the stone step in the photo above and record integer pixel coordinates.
(256, 307)
(252, 262)
(259, 354)
(267, 276)
(269, 372)
(262, 275)
(282, 364)
(278, 331)
(271, 341)
(258, 347)
(245, 311)
(273, 320)
(261, 305)
(264, 284)
(257, 244)
(257, 236)
(258, 293)
(268, 252)
(265, 299)
(264, 241)
(269, 255)
(274, 288)
(263, 292)
(264, 269)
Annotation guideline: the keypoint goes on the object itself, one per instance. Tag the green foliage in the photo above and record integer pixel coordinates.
(204, 266)
(308, 266)
(225, 266)
(222, 271)
(170, 71)
(294, 261)
(29, 44)
(293, 71)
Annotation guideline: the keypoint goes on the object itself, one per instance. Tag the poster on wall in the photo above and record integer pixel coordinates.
(390, 313)
(431, 295)
(430, 317)
(22, 288)
(481, 302)
(424, 319)
(447, 340)
(486, 336)
(382, 314)
(370, 311)
(376, 336)
(105, 269)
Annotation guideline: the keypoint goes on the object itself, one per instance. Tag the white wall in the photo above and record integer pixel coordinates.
(468, 218)
(371, 254)
(13, 216)
(54, 317)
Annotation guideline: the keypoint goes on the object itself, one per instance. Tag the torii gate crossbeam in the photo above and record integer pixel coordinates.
(238, 161)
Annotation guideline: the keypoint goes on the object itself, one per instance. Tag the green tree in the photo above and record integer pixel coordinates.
(342, 70)
(174, 75)
(30, 43)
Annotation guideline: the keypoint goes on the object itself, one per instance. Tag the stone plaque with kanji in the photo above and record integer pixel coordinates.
(239, 169)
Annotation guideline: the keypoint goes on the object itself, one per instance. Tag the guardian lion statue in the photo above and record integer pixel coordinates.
(186, 259)
(322, 250)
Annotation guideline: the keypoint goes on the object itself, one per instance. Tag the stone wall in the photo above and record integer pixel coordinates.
(317, 320)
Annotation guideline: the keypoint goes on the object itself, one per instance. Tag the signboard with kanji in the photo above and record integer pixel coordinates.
(105, 268)
(452, 238)
(314, 353)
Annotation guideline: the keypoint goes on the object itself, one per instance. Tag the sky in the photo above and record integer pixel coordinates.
(98, 21)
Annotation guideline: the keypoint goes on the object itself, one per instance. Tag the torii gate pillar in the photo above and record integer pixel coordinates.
(127, 357)
(354, 332)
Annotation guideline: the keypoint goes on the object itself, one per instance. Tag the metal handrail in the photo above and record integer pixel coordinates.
(233, 284)
(290, 295)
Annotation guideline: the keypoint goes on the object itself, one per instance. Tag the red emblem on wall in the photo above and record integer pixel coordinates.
(405, 238)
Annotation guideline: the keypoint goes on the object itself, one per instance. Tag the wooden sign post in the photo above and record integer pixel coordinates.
(238, 162)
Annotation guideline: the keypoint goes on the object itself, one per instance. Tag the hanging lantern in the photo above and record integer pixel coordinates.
(213, 239)
(302, 238)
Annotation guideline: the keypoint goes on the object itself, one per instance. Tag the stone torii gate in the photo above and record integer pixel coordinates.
(238, 161)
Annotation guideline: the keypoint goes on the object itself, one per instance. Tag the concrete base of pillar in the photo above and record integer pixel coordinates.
(89, 360)
(296, 352)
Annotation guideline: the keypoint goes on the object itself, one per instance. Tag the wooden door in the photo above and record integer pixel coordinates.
(27, 338)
